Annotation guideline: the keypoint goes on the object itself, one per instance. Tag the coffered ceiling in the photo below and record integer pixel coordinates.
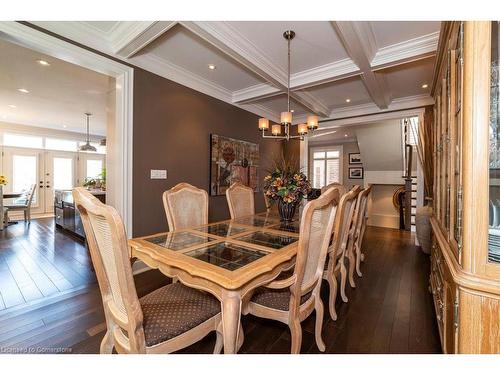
(339, 68)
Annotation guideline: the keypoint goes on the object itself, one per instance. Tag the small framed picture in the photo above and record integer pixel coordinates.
(356, 173)
(354, 158)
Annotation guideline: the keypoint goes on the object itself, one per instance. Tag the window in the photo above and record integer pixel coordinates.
(326, 166)
(94, 168)
(19, 140)
(60, 144)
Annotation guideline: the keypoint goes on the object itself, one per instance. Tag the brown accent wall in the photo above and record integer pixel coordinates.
(172, 127)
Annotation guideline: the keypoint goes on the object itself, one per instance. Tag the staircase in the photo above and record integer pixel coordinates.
(410, 137)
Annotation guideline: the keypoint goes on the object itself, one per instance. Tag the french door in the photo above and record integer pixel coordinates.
(48, 170)
(60, 174)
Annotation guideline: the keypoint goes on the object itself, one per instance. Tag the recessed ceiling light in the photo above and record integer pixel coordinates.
(425, 85)
(292, 110)
(43, 62)
(211, 66)
(348, 100)
(23, 91)
(345, 135)
(65, 126)
(12, 106)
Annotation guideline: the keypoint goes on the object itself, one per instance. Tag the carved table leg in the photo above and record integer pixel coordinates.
(231, 314)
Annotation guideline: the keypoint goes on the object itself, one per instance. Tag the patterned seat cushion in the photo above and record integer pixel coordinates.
(174, 309)
(278, 299)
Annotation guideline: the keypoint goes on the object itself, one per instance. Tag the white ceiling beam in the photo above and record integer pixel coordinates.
(301, 80)
(127, 38)
(233, 44)
(359, 41)
(414, 49)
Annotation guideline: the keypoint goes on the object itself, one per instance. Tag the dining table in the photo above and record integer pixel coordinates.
(229, 259)
(11, 195)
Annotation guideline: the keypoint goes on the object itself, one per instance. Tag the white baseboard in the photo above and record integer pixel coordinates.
(384, 221)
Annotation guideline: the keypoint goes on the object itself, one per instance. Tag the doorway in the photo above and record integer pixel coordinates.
(119, 151)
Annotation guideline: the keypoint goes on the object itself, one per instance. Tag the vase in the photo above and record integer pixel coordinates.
(423, 227)
(286, 210)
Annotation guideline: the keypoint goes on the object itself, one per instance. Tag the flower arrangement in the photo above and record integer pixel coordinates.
(3, 180)
(287, 185)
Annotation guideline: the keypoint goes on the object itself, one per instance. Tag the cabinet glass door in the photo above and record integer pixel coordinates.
(494, 154)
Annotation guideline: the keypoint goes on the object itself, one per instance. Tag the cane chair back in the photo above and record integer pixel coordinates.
(343, 222)
(342, 188)
(108, 248)
(316, 226)
(186, 206)
(240, 199)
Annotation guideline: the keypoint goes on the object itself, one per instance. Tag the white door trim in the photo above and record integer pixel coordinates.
(119, 178)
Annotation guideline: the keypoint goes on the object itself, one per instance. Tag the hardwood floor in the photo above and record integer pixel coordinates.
(390, 311)
(36, 262)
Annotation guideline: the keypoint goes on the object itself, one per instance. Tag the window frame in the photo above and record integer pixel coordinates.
(312, 150)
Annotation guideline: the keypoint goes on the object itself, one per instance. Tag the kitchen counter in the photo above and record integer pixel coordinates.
(66, 216)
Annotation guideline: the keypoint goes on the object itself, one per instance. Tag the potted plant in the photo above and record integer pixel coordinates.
(89, 183)
(287, 186)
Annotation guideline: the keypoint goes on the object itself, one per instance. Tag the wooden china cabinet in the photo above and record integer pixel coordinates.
(465, 259)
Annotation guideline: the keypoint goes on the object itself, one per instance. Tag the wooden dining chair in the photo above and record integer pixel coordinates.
(342, 188)
(186, 206)
(240, 199)
(293, 299)
(165, 320)
(337, 249)
(360, 219)
(22, 204)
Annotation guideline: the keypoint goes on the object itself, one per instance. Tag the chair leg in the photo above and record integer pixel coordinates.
(219, 341)
(296, 332)
(107, 343)
(332, 282)
(358, 260)
(343, 280)
(352, 264)
(318, 306)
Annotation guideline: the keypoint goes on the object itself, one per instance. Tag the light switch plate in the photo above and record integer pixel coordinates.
(158, 174)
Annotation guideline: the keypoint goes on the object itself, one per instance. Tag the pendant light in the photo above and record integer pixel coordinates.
(87, 146)
(286, 117)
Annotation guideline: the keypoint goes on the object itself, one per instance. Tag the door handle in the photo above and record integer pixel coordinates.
(47, 186)
(40, 186)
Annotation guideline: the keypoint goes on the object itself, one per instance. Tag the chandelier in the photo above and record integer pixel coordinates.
(87, 146)
(286, 117)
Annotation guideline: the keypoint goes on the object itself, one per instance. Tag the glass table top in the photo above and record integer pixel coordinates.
(293, 226)
(222, 229)
(179, 240)
(227, 255)
(268, 239)
(256, 221)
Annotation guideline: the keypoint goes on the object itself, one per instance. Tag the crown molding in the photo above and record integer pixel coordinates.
(180, 75)
(400, 107)
(129, 38)
(305, 79)
(255, 92)
(323, 74)
(407, 51)
(186, 78)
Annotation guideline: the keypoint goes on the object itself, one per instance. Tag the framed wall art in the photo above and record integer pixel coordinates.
(232, 160)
